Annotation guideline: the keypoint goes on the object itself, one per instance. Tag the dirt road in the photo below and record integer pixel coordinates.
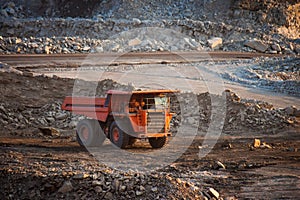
(153, 70)
(269, 172)
(32, 61)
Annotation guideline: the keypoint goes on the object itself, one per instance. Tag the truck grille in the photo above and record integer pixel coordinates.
(156, 122)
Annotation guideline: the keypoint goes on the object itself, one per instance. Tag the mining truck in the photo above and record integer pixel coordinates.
(123, 117)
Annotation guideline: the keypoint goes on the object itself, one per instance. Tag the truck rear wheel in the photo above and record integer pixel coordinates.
(89, 133)
(157, 142)
(118, 137)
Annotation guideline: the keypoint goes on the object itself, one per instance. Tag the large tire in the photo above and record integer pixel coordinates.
(89, 133)
(118, 137)
(158, 142)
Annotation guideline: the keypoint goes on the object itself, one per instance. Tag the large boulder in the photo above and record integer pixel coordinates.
(215, 42)
(256, 45)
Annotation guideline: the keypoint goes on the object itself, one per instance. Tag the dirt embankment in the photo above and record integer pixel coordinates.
(29, 103)
(277, 12)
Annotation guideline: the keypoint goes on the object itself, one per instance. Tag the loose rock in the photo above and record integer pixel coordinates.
(256, 143)
(214, 193)
(66, 187)
(256, 45)
(215, 42)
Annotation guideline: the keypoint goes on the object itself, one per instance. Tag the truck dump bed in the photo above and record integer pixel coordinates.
(93, 107)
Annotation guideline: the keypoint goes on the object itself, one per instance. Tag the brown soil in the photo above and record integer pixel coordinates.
(251, 173)
(37, 168)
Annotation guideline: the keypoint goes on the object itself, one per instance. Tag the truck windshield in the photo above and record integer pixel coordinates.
(160, 103)
(149, 103)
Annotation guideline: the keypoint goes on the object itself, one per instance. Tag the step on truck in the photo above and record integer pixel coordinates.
(123, 117)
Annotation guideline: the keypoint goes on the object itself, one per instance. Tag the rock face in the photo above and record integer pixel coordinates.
(275, 11)
(199, 20)
(40, 8)
(283, 13)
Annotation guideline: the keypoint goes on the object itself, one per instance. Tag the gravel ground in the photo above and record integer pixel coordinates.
(279, 74)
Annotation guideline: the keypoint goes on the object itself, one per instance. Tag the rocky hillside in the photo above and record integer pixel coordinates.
(274, 25)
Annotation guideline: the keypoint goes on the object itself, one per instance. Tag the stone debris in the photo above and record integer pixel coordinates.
(214, 193)
(66, 187)
(124, 43)
(215, 42)
(220, 165)
(276, 74)
(51, 121)
(276, 47)
(63, 177)
(81, 176)
(242, 114)
(265, 145)
(291, 110)
(292, 149)
(256, 143)
(257, 45)
(44, 117)
(41, 116)
(56, 28)
(139, 193)
(154, 189)
(297, 113)
(134, 42)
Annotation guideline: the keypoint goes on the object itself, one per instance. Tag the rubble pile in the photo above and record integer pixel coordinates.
(243, 114)
(16, 119)
(280, 69)
(268, 27)
(47, 45)
(73, 37)
(284, 13)
(29, 115)
(276, 74)
(122, 43)
(240, 114)
(10, 9)
(88, 179)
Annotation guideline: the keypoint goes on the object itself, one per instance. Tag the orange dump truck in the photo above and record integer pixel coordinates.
(123, 117)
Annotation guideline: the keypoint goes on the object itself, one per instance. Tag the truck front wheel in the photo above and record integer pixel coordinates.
(118, 137)
(157, 142)
(89, 133)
